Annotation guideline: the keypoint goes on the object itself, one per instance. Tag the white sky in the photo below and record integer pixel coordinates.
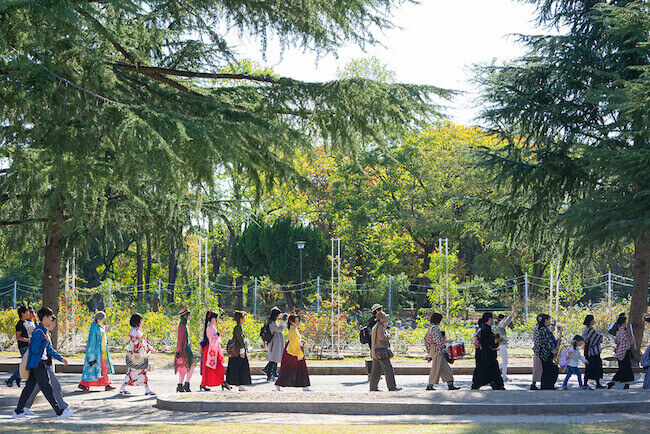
(437, 43)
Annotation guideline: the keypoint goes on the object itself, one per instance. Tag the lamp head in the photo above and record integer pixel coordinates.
(301, 244)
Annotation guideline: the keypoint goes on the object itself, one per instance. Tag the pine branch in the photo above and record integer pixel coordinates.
(20, 222)
(147, 70)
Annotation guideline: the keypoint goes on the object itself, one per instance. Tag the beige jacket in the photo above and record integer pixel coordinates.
(380, 338)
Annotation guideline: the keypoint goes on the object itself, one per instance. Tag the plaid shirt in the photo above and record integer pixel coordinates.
(623, 343)
(434, 337)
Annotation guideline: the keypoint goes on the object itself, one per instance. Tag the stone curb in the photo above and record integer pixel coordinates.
(397, 408)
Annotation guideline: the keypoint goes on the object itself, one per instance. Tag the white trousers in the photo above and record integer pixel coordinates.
(503, 351)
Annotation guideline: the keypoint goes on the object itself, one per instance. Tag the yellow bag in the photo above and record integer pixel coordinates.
(24, 372)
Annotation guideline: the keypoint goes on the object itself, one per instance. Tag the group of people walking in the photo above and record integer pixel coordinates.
(286, 360)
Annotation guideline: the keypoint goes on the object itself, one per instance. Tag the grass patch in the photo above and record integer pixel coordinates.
(470, 428)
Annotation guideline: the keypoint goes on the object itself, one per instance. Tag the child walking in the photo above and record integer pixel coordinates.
(574, 357)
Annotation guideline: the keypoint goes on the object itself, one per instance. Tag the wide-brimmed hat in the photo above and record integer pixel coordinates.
(184, 311)
(100, 316)
(375, 307)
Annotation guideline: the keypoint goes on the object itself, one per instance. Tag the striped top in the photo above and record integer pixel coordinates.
(593, 339)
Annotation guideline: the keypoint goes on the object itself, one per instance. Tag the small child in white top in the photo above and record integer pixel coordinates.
(574, 358)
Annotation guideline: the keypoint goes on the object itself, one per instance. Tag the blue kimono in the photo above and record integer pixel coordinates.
(94, 352)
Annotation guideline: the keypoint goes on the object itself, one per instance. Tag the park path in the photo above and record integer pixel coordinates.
(100, 407)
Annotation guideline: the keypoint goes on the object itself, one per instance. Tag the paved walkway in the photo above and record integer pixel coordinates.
(111, 408)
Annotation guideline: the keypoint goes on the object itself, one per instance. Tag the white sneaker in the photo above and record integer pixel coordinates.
(18, 416)
(307, 389)
(66, 414)
(243, 388)
(28, 412)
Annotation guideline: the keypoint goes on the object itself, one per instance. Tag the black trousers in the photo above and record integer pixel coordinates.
(549, 374)
(39, 375)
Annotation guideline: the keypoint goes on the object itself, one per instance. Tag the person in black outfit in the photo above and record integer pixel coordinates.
(477, 351)
(488, 371)
(22, 338)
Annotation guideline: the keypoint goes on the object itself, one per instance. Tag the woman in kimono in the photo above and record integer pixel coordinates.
(293, 371)
(276, 346)
(184, 362)
(212, 370)
(239, 371)
(139, 347)
(97, 363)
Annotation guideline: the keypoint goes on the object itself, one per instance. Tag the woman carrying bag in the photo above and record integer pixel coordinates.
(239, 371)
(137, 358)
(381, 355)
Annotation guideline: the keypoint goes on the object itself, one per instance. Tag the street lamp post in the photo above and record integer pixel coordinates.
(301, 247)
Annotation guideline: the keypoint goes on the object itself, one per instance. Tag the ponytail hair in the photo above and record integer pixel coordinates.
(208, 317)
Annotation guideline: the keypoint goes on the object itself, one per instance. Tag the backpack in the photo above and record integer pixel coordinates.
(265, 333)
(364, 335)
(564, 358)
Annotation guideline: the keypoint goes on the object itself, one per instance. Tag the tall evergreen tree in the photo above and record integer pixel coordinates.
(576, 110)
(101, 97)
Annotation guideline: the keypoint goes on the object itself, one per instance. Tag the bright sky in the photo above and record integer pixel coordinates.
(437, 43)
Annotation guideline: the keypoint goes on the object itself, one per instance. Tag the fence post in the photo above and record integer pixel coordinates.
(15, 288)
(255, 296)
(159, 293)
(609, 288)
(390, 294)
(318, 294)
(526, 293)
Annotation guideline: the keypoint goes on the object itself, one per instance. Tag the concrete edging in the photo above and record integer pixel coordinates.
(398, 408)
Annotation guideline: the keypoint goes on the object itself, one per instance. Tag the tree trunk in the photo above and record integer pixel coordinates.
(639, 302)
(147, 273)
(424, 281)
(239, 300)
(52, 266)
(172, 271)
(138, 268)
(288, 298)
(216, 262)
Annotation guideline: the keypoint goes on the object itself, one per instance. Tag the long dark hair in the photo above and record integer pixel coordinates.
(588, 319)
(208, 317)
(275, 313)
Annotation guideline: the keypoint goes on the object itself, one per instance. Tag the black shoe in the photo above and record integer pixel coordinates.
(533, 387)
(9, 383)
(17, 382)
(179, 388)
(186, 387)
(204, 389)
(225, 386)
(610, 384)
(430, 387)
(599, 386)
(627, 386)
(452, 387)
(374, 390)
(397, 389)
